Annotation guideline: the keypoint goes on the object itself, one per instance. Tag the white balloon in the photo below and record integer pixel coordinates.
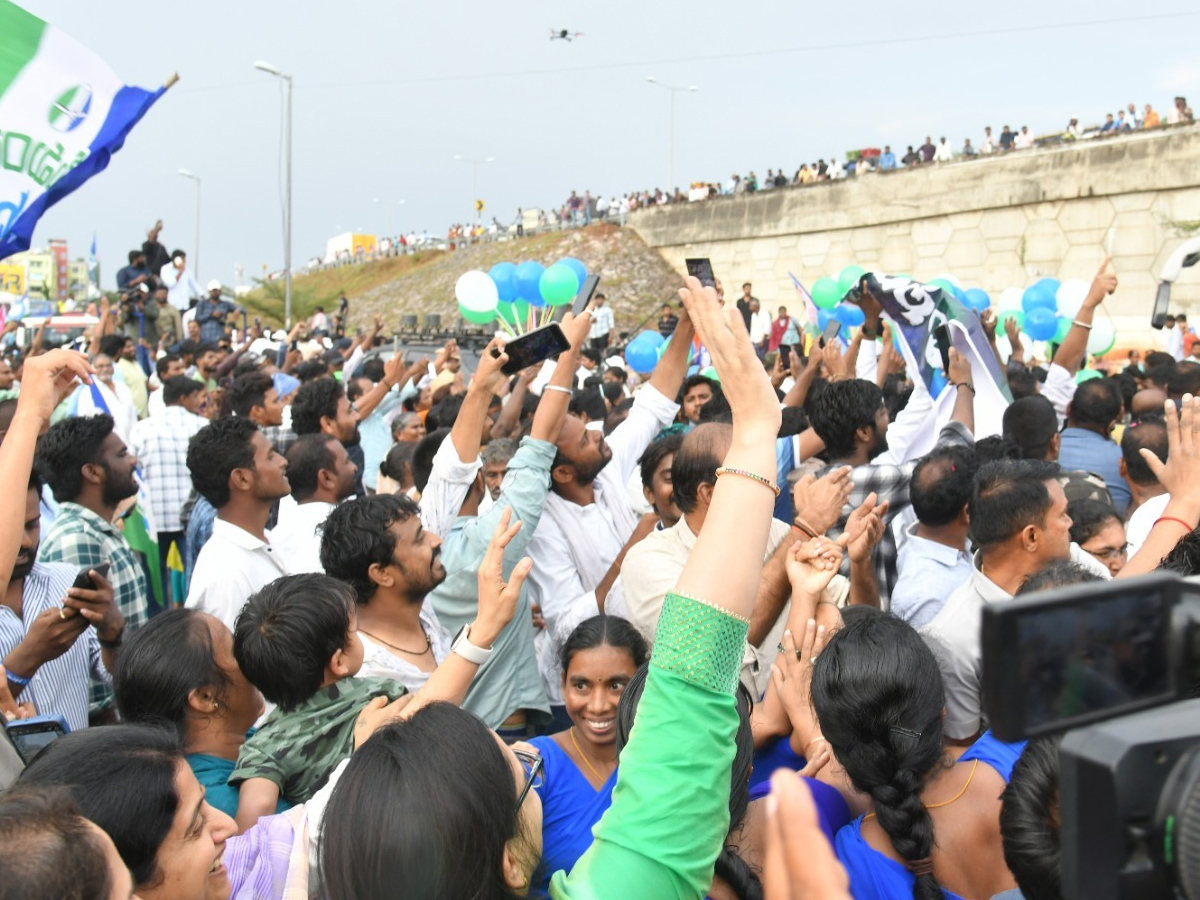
(477, 292)
(1070, 296)
(946, 276)
(1010, 298)
(1100, 339)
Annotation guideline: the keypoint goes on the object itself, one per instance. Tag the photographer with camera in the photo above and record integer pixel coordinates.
(212, 313)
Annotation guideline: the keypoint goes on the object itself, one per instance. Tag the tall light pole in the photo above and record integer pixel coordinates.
(671, 134)
(475, 164)
(391, 207)
(196, 252)
(287, 215)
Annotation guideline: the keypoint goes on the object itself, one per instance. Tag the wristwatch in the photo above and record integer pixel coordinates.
(463, 647)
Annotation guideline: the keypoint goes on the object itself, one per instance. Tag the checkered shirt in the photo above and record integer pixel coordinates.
(160, 444)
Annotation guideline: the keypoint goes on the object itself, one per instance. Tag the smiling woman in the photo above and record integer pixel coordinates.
(598, 660)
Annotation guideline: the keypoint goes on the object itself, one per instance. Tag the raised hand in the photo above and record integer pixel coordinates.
(97, 607)
(576, 329)
(1180, 474)
(48, 378)
(811, 565)
(488, 376)
(746, 384)
(378, 713)
(819, 501)
(1103, 285)
(960, 368)
(864, 528)
(497, 598)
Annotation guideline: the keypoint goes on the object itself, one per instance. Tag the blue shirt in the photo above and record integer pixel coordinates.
(509, 680)
(376, 438)
(887, 161)
(1085, 450)
(199, 530)
(929, 572)
(570, 808)
(213, 774)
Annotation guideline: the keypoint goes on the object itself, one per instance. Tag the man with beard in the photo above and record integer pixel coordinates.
(90, 471)
(49, 653)
(852, 420)
(589, 522)
(379, 547)
(322, 407)
(235, 469)
(322, 476)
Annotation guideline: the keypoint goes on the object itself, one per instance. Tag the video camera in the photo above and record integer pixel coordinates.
(1113, 666)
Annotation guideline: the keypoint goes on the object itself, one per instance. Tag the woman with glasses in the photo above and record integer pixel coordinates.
(438, 807)
(580, 764)
(1096, 528)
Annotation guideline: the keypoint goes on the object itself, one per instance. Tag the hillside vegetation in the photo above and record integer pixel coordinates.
(634, 278)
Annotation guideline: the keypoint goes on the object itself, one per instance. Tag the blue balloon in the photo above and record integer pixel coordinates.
(823, 317)
(849, 314)
(959, 294)
(641, 356)
(1048, 284)
(977, 299)
(505, 276)
(579, 268)
(1040, 323)
(1039, 297)
(653, 338)
(529, 274)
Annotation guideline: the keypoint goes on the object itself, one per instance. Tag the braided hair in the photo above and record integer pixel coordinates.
(729, 867)
(878, 696)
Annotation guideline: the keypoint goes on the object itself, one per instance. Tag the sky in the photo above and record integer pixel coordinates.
(386, 94)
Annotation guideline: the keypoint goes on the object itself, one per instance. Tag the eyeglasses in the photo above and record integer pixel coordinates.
(533, 766)
(1107, 553)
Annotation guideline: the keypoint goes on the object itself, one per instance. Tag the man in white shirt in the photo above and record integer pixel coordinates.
(182, 287)
(321, 475)
(760, 327)
(1173, 332)
(235, 469)
(589, 522)
(602, 324)
(944, 152)
(1024, 139)
(1020, 524)
(1148, 498)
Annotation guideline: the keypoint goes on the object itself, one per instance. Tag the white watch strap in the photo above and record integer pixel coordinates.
(463, 647)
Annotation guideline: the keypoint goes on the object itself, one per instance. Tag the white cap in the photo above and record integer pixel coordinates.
(213, 285)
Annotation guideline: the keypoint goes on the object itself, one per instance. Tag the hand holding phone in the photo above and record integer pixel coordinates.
(701, 269)
(84, 581)
(832, 328)
(533, 347)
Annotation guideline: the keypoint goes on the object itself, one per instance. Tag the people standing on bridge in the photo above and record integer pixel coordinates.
(911, 158)
(988, 147)
(944, 152)
(1007, 137)
(928, 150)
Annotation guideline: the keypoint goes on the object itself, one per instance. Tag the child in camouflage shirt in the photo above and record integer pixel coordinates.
(297, 641)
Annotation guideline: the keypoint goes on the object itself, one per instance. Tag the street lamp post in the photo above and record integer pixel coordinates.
(475, 164)
(287, 215)
(196, 251)
(671, 133)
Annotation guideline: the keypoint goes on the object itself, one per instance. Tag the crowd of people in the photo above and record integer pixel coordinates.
(317, 621)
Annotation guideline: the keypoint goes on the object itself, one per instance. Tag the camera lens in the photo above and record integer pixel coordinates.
(1179, 823)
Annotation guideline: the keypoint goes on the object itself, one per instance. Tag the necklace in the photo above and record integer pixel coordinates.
(587, 762)
(421, 652)
(974, 766)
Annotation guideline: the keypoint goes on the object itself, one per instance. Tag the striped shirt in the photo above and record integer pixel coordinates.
(60, 686)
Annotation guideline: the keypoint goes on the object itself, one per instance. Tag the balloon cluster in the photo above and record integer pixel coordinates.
(1046, 309)
(507, 291)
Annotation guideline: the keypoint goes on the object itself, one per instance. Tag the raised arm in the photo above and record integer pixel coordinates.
(468, 427)
(672, 367)
(556, 395)
(1072, 350)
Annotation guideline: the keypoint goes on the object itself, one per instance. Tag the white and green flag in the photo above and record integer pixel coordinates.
(63, 114)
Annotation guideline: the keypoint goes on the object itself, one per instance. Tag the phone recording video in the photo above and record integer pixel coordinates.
(701, 269)
(534, 347)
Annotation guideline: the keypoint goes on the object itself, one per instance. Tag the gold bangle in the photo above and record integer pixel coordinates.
(725, 470)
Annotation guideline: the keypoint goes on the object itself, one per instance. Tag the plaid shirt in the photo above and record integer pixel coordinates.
(281, 438)
(890, 483)
(160, 444)
(80, 537)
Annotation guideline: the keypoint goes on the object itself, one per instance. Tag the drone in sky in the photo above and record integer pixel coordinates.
(564, 34)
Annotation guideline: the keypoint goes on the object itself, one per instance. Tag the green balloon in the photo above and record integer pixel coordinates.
(826, 293)
(849, 277)
(1087, 375)
(710, 373)
(558, 285)
(475, 316)
(1010, 314)
(1064, 325)
(944, 285)
(515, 314)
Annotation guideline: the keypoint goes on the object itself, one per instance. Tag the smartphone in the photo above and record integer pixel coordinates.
(701, 269)
(32, 736)
(1065, 658)
(832, 329)
(83, 580)
(1162, 299)
(941, 338)
(534, 347)
(586, 291)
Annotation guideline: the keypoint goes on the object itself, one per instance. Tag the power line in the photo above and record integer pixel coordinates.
(719, 57)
